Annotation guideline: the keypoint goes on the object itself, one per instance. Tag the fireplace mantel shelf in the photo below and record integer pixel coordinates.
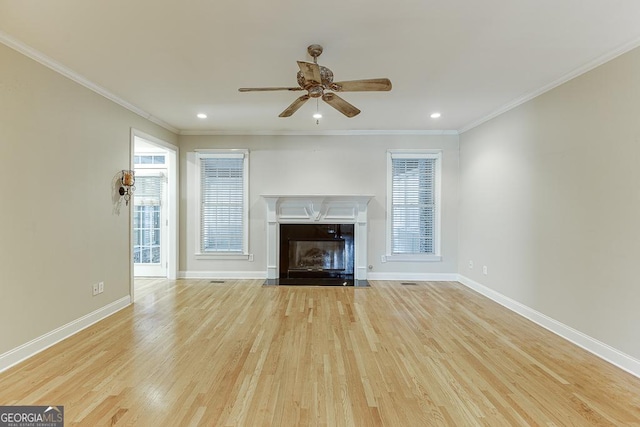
(316, 196)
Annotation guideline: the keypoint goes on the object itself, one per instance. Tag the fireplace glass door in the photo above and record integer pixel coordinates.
(320, 251)
(317, 255)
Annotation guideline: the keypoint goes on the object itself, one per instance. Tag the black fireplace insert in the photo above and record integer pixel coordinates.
(317, 254)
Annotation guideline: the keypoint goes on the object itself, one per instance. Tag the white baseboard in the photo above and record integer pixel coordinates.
(222, 275)
(423, 277)
(592, 345)
(426, 277)
(18, 354)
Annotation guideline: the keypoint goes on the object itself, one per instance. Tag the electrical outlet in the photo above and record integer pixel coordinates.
(95, 289)
(470, 264)
(250, 257)
(100, 287)
(484, 270)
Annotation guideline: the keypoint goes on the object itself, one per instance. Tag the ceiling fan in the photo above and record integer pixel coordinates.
(318, 82)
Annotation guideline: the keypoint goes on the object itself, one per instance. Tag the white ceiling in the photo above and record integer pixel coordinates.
(467, 59)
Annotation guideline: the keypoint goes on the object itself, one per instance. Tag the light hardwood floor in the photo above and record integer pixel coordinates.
(192, 352)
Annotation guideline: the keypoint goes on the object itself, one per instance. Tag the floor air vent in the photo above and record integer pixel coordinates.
(408, 283)
(217, 281)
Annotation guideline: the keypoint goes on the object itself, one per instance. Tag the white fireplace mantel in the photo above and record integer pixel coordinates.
(320, 209)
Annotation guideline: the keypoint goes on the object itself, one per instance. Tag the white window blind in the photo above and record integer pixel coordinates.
(413, 205)
(149, 189)
(222, 200)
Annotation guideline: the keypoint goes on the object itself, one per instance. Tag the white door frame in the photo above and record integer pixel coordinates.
(172, 204)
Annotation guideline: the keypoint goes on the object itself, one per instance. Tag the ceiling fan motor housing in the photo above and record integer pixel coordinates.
(326, 75)
(315, 91)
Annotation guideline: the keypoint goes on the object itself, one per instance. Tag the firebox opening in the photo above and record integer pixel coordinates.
(317, 252)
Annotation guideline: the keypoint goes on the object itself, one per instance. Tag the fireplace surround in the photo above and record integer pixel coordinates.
(335, 251)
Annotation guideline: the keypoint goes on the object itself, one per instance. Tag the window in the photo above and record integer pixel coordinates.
(148, 159)
(223, 207)
(413, 228)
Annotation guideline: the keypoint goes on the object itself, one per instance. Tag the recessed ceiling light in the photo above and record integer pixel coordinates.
(435, 115)
(317, 116)
(202, 116)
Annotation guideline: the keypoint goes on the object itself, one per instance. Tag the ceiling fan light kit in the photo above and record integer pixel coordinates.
(318, 82)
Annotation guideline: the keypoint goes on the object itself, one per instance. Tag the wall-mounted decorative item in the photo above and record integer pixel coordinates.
(127, 185)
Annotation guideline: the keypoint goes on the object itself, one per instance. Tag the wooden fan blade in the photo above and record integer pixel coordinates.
(265, 89)
(369, 85)
(310, 71)
(294, 106)
(340, 104)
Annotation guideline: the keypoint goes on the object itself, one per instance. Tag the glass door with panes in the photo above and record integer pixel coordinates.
(149, 223)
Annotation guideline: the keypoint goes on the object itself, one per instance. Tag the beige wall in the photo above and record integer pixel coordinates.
(321, 165)
(60, 147)
(550, 203)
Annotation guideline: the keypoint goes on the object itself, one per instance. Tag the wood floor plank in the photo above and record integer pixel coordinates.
(197, 353)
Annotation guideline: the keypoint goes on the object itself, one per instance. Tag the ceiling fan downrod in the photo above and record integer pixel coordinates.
(314, 51)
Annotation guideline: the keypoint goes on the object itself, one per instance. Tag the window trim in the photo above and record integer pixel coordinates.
(414, 154)
(208, 153)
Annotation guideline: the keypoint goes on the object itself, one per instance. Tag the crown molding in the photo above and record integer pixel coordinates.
(569, 76)
(315, 133)
(48, 62)
(72, 75)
